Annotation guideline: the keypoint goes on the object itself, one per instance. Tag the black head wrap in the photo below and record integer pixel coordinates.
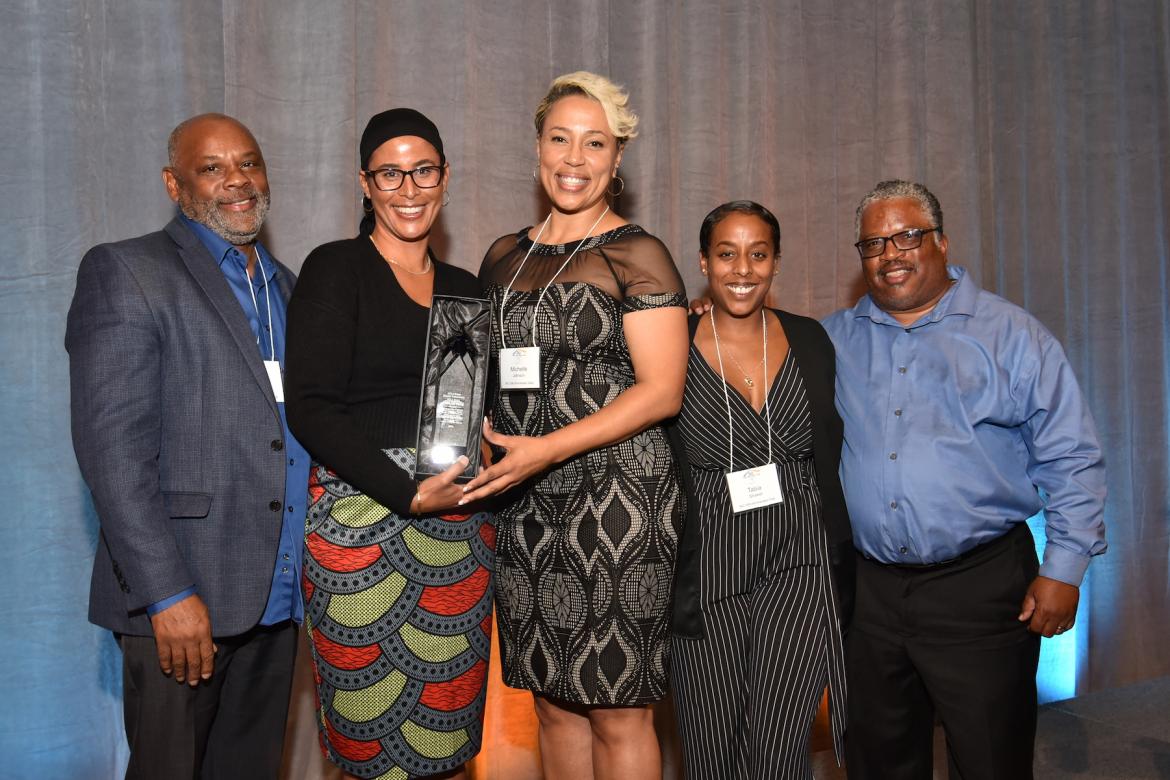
(392, 124)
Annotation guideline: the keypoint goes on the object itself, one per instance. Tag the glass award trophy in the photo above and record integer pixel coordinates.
(455, 375)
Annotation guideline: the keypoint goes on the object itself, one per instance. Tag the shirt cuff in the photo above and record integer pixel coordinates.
(159, 606)
(1063, 565)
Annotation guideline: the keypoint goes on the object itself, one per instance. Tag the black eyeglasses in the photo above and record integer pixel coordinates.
(905, 240)
(389, 179)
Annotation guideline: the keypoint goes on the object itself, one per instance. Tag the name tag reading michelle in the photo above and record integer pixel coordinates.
(754, 488)
(520, 368)
(275, 379)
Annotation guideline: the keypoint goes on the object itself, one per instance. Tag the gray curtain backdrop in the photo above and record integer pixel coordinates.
(1042, 127)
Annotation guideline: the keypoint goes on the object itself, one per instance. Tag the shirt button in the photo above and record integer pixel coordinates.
(292, 462)
(897, 412)
(893, 456)
(893, 505)
(290, 507)
(907, 330)
(286, 556)
(284, 570)
(902, 550)
(274, 505)
(901, 369)
(277, 445)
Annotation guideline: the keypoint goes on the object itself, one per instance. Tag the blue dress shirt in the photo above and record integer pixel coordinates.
(284, 597)
(961, 425)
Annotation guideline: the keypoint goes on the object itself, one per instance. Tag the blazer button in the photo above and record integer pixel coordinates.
(277, 445)
(274, 505)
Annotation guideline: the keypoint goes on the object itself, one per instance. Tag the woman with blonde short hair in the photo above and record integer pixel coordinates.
(591, 350)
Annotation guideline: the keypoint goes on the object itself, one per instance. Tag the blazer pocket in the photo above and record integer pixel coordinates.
(187, 504)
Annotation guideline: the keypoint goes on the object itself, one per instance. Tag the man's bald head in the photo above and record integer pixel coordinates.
(193, 122)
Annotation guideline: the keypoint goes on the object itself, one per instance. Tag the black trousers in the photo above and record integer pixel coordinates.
(944, 641)
(231, 726)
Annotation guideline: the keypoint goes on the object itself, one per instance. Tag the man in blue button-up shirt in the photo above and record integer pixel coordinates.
(176, 346)
(962, 419)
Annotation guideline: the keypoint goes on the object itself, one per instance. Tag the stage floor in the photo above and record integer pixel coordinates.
(1122, 733)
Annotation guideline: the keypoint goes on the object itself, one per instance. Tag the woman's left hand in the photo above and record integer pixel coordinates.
(524, 457)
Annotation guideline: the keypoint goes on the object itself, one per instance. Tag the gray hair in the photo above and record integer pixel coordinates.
(898, 188)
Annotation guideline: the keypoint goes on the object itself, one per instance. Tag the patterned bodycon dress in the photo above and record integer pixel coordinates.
(586, 550)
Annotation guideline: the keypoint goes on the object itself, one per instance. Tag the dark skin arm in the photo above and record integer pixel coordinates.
(182, 632)
(1050, 606)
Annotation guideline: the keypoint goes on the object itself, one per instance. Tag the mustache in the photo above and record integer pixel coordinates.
(894, 265)
(243, 193)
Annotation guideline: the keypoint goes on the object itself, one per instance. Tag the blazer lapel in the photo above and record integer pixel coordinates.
(808, 361)
(209, 277)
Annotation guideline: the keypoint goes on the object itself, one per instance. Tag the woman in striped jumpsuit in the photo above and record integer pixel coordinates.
(760, 592)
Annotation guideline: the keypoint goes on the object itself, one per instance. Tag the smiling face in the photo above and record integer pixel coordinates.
(906, 283)
(740, 263)
(577, 154)
(407, 213)
(217, 177)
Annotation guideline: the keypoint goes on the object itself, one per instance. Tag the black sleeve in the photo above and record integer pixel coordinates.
(322, 327)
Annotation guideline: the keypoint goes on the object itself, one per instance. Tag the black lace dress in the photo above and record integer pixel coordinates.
(586, 551)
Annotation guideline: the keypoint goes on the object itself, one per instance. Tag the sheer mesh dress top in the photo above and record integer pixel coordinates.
(586, 550)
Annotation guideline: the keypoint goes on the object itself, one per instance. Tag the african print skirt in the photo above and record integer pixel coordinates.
(399, 615)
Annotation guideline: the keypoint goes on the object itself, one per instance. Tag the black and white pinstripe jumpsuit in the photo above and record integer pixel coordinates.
(747, 693)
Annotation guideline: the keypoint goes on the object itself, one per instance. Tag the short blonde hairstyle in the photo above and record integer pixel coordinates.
(623, 122)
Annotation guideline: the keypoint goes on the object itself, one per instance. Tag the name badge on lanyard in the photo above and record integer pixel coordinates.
(754, 488)
(520, 368)
(758, 486)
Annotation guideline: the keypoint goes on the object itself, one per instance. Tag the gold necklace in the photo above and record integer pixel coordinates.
(426, 269)
(747, 378)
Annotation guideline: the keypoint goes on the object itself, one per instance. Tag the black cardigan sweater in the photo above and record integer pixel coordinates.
(816, 360)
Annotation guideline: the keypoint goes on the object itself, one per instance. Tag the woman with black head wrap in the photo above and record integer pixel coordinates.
(397, 577)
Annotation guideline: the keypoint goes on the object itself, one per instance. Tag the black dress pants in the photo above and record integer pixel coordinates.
(944, 640)
(231, 726)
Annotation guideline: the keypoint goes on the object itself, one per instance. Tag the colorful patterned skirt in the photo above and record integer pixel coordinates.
(399, 615)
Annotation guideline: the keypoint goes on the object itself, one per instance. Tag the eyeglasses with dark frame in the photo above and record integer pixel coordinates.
(425, 177)
(904, 240)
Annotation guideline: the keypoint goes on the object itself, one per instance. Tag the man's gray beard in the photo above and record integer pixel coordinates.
(207, 213)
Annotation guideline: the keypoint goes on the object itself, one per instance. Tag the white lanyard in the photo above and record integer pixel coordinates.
(544, 289)
(727, 396)
(256, 306)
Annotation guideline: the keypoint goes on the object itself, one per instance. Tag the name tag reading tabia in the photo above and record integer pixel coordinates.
(754, 488)
(520, 368)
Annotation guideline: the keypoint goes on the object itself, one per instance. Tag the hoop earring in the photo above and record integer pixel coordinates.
(534, 174)
(367, 205)
(446, 197)
(620, 181)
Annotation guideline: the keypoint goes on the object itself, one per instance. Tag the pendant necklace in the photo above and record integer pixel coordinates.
(426, 268)
(747, 377)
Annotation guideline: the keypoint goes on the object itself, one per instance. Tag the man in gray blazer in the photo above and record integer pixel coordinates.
(176, 347)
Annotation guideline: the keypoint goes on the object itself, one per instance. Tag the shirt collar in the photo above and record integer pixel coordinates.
(221, 249)
(959, 299)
